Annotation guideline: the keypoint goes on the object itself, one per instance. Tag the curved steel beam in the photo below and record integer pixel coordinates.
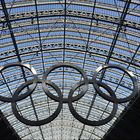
(70, 13)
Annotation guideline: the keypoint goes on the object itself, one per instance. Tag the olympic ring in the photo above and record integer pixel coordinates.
(30, 90)
(38, 122)
(89, 122)
(32, 84)
(105, 96)
(65, 100)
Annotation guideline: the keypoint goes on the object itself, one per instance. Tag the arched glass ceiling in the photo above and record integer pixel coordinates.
(87, 33)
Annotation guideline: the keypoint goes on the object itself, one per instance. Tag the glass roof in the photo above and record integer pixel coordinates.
(86, 33)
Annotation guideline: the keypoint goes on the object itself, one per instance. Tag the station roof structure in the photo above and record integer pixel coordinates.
(85, 33)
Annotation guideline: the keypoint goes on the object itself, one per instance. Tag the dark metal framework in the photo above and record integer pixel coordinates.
(88, 33)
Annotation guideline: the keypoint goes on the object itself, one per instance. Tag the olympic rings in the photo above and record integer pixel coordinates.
(38, 122)
(105, 96)
(32, 84)
(65, 100)
(89, 122)
(31, 89)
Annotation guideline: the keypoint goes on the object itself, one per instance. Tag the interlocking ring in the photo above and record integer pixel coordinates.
(38, 122)
(31, 85)
(65, 100)
(115, 99)
(86, 121)
(30, 90)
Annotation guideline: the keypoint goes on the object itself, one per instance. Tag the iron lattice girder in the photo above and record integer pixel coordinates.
(18, 27)
(70, 47)
(70, 13)
(99, 5)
